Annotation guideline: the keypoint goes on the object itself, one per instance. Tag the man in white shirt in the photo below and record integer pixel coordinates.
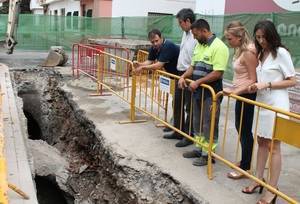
(185, 19)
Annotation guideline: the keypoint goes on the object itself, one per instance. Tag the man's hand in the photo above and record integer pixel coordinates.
(138, 69)
(136, 64)
(194, 85)
(181, 83)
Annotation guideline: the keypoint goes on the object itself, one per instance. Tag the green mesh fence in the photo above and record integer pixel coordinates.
(39, 32)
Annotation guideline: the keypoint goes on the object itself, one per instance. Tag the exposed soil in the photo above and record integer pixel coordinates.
(96, 174)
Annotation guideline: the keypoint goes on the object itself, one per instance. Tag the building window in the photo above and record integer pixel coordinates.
(89, 13)
(75, 13)
(62, 12)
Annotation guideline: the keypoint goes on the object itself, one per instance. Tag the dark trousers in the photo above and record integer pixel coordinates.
(246, 129)
(182, 110)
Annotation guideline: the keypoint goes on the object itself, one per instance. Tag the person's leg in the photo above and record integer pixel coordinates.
(262, 156)
(275, 169)
(246, 138)
(186, 123)
(207, 108)
(178, 108)
(196, 128)
(177, 116)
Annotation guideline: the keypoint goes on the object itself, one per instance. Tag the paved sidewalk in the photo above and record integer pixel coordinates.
(18, 168)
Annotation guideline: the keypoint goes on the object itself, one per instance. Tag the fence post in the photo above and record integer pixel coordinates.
(123, 26)
(133, 93)
(211, 136)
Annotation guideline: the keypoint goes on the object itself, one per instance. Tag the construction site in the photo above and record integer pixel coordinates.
(79, 126)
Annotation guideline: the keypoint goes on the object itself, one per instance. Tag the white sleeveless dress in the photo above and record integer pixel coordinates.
(273, 70)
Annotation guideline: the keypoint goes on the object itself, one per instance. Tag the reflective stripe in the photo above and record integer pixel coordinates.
(201, 143)
(201, 69)
(203, 64)
(199, 73)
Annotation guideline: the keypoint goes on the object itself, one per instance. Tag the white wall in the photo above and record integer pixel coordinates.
(69, 6)
(37, 11)
(142, 7)
(210, 7)
(35, 7)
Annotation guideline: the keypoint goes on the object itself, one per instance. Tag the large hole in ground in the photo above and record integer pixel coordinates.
(48, 191)
(33, 128)
(95, 173)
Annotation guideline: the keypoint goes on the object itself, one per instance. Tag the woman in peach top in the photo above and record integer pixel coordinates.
(244, 65)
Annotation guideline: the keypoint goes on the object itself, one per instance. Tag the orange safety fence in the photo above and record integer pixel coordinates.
(285, 129)
(85, 60)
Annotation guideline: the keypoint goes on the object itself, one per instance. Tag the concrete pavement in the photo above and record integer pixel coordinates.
(18, 168)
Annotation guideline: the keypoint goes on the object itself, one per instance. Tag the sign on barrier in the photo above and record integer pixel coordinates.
(113, 64)
(165, 84)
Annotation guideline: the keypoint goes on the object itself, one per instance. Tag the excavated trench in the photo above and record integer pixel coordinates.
(91, 171)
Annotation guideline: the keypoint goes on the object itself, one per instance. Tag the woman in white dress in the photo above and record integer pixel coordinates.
(275, 73)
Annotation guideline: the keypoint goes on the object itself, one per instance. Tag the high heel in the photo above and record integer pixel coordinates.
(263, 201)
(249, 190)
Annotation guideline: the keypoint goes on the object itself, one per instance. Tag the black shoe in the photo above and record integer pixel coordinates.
(172, 136)
(192, 154)
(167, 129)
(202, 161)
(183, 143)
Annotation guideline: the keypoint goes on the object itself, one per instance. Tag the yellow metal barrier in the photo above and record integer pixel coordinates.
(286, 129)
(145, 93)
(114, 74)
(160, 108)
(3, 179)
(142, 56)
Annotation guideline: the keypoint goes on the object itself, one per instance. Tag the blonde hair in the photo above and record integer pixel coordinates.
(237, 29)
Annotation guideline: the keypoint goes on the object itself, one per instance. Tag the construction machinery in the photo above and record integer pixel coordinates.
(56, 57)
(12, 23)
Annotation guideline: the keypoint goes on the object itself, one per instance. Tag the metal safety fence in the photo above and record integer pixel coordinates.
(86, 60)
(111, 72)
(163, 100)
(156, 94)
(286, 127)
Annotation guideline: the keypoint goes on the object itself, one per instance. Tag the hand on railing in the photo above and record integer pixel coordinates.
(138, 68)
(182, 83)
(193, 86)
(227, 91)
